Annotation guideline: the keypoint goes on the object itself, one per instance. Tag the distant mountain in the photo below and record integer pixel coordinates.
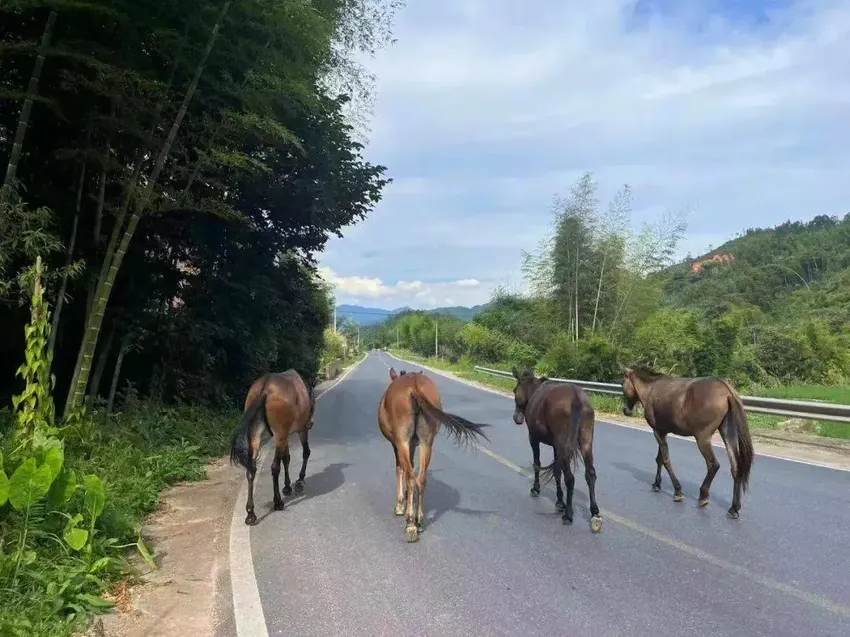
(365, 316)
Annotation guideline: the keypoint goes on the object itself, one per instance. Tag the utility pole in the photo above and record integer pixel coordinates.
(436, 339)
(334, 318)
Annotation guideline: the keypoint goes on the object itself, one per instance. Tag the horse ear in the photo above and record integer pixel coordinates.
(393, 373)
(515, 372)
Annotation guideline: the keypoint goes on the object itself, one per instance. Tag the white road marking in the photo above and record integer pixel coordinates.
(247, 608)
(812, 463)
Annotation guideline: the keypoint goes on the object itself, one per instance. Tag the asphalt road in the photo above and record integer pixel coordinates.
(494, 561)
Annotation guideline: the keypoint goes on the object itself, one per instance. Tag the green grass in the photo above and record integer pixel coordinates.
(137, 454)
(608, 404)
(830, 394)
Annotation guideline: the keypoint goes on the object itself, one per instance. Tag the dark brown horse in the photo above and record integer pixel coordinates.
(693, 407)
(280, 404)
(409, 415)
(559, 415)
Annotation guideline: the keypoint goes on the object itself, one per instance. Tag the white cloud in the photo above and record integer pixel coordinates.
(416, 294)
(485, 110)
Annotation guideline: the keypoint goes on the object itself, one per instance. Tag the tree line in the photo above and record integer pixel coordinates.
(177, 165)
(768, 307)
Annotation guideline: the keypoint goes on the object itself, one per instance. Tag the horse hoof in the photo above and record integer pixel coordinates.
(703, 502)
(287, 490)
(299, 487)
(596, 524)
(250, 519)
(278, 506)
(679, 497)
(732, 514)
(412, 533)
(560, 507)
(398, 511)
(535, 493)
(656, 488)
(567, 521)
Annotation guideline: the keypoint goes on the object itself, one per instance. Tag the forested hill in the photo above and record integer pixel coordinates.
(790, 272)
(771, 306)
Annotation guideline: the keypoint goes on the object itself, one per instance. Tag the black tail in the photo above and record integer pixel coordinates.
(462, 430)
(568, 449)
(240, 452)
(737, 432)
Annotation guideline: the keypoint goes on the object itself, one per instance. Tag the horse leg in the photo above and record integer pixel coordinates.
(664, 452)
(279, 453)
(735, 509)
(287, 485)
(590, 478)
(535, 454)
(250, 474)
(559, 493)
(399, 478)
(305, 456)
(711, 464)
(424, 460)
(569, 482)
(404, 456)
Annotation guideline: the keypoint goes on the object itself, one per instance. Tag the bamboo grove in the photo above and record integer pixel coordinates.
(177, 165)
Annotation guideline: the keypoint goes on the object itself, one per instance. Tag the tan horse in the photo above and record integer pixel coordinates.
(409, 415)
(559, 415)
(281, 404)
(693, 407)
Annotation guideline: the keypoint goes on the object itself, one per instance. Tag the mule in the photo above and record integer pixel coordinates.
(280, 404)
(693, 407)
(559, 415)
(410, 414)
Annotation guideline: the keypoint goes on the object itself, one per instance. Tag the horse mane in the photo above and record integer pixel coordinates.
(646, 374)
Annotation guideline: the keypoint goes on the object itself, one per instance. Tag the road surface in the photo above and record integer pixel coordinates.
(494, 561)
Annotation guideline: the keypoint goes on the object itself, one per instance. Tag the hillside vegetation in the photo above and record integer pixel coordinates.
(770, 310)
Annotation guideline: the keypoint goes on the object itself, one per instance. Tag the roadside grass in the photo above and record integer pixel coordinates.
(612, 405)
(137, 454)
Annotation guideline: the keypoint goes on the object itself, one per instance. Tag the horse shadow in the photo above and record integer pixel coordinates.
(326, 481)
(688, 487)
(440, 498)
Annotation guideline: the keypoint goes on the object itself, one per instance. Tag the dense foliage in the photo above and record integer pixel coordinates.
(771, 306)
(171, 169)
(181, 162)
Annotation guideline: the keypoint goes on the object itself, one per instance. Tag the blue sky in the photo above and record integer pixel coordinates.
(485, 109)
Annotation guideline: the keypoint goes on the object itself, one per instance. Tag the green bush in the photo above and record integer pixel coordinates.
(522, 355)
(482, 344)
(593, 359)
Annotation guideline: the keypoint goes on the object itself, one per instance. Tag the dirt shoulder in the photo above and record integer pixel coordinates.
(189, 593)
(795, 446)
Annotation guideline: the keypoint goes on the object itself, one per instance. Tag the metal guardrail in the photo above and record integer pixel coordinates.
(807, 410)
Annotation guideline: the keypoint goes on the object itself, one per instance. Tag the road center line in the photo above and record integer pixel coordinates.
(810, 598)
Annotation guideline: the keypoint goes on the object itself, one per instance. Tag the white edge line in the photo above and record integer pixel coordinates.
(248, 613)
(463, 381)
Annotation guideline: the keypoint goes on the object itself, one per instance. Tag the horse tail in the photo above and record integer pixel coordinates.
(462, 430)
(240, 451)
(568, 446)
(736, 429)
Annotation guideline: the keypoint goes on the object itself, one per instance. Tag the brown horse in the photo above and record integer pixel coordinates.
(559, 415)
(409, 415)
(693, 407)
(281, 404)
